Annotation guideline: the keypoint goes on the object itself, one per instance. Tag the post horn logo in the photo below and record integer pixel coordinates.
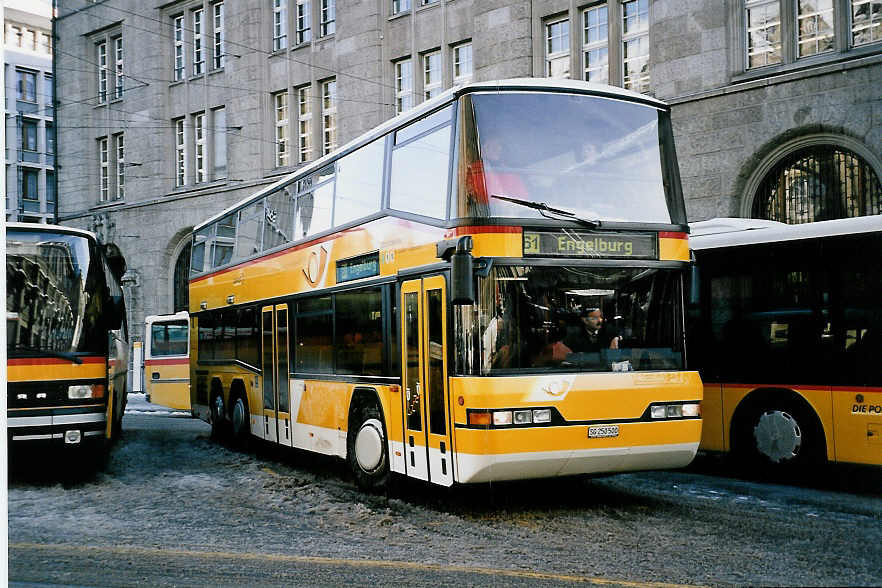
(315, 265)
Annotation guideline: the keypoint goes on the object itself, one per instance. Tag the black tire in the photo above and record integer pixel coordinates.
(116, 428)
(240, 420)
(780, 437)
(366, 447)
(218, 417)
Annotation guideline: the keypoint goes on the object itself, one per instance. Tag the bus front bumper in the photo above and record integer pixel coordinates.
(70, 426)
(547, 464)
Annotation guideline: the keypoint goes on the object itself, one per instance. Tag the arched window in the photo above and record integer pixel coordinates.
(182, 274)
(820, 182)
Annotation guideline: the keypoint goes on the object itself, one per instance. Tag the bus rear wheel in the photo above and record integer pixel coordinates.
(366, 448)
(240, 420)
(780, 437)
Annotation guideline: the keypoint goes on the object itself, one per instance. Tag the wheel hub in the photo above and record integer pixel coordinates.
(218, 408)
(778, 436)
(369, 445)
(238, 416)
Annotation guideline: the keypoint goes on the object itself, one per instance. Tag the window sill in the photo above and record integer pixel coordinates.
(115, 100)
(814, 61)
(219, 70)
(324, 38)
(176, 82)
(423, 7)
(278, 52)
(401, 14)
(301, 45)
(109, 204)
(195, 77)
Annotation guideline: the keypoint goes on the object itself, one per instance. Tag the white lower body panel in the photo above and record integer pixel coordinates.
(547, 464)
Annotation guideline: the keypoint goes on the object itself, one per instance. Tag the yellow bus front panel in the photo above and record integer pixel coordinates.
(581, 402)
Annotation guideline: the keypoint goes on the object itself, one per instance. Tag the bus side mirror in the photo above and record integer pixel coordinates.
(462, 276)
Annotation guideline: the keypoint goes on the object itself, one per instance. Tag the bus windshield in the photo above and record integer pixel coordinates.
(54, 294)
(595, 157)
(579, 319)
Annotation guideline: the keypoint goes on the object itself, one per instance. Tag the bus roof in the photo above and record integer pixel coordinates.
(56, 228)
(732, 232)
(159, 318)
(436, 103)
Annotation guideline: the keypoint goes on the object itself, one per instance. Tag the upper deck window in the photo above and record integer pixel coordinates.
(596, 157)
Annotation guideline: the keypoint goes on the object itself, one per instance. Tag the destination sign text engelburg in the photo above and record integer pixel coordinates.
(590, 244)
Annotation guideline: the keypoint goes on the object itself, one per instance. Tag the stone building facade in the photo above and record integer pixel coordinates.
(170, 113)
(30, 134)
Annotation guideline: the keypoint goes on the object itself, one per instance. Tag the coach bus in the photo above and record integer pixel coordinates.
(66, 341)
(430, 298)
(785, 326)
(167, 360)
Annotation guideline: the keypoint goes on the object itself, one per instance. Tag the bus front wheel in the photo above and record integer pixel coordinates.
(218, 420)
(366, 448)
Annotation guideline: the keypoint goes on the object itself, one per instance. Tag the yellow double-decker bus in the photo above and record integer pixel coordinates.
(487, 287)
(167, 360)
(66, 341)
(786, 326)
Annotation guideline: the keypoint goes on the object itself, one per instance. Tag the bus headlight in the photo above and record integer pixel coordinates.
(657, 412)
(523, 417)
(542, 415)
(691, 410)
(84, 391)
(502, 417)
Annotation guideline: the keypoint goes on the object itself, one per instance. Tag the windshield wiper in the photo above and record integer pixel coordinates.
(48, 352)
(544, 210)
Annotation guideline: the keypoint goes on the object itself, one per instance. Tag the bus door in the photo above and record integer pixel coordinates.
(274, 365)
(424, 376)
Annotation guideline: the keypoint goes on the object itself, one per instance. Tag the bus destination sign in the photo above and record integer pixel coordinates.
(590, 244)
(354, 268)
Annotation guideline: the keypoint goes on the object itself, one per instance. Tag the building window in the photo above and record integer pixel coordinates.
(180, 154)
(818, 183)
(635, 45)
(400, 6)
(179, 47)
(46, 43)
(50, 192)
(814, 25)
(431, 74)
(304, 21)
(219, 35)
(30, 181)
(15, 33)
(219, 143)
(763, 20)
(866, 21)
(595, 44)
(118, 54)
(329, 116)
(102, 72)
(48, 91)
(199, 134)
(557, 49)
(329, 17)
(103, 170)
(462, 63)
(50, 138)
(120, 166)
(280, 24)
(281, 106)
(198, 58)
(403, 85)
(28, 135)
(304, 122)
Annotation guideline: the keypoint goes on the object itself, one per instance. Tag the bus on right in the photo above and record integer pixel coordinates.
(785, 327)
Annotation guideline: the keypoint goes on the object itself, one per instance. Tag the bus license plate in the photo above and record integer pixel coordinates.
(603, 431)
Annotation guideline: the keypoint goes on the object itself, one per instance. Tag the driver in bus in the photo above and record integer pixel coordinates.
(589, 335)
